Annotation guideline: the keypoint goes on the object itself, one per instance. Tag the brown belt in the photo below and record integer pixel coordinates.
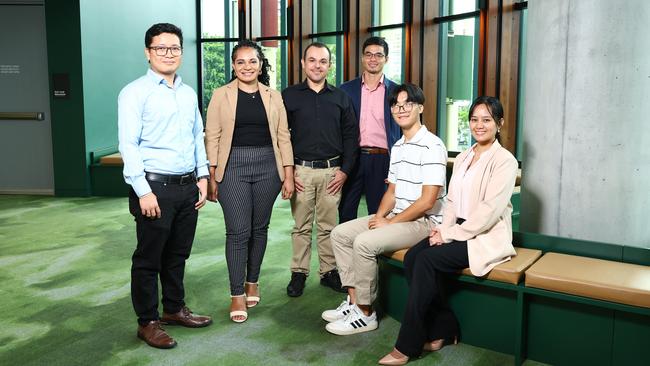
(374, 150)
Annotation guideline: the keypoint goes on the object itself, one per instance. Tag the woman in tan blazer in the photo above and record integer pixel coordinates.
(249, 148)
(476, 232)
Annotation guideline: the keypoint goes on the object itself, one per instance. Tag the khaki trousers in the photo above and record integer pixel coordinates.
(356, 249)
(314, 202)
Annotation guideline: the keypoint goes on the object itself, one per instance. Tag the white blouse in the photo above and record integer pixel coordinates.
(462, 182)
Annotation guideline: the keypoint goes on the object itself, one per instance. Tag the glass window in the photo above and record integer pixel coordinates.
(269, 29)
(327, 18)
(390, 13)
(458, 75)
(394, 67)
(219, 18)
(268, 18)
(220, 32)
(216, 68)
(276, 53)
(459, 6)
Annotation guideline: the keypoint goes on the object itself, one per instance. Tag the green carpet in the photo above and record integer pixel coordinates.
(64, 269)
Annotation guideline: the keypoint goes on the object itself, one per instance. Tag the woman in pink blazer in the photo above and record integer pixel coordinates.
(476, 232)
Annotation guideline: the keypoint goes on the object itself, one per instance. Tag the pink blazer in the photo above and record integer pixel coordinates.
(220, 126)
(488, 229)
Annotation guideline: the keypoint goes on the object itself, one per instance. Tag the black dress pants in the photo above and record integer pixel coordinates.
(163, 246)
(367, 179)
(427, 316)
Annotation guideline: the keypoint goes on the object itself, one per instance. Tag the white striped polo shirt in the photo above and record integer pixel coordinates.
(417, 162)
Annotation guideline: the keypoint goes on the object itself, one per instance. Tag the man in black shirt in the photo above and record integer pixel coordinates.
(325, 139)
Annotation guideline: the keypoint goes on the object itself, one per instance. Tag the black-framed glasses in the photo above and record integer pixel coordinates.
(377, 56)
(162, 51)
(406, 107)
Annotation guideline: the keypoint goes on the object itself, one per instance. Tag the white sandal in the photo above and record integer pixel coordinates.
(235, 313)
(254, 299)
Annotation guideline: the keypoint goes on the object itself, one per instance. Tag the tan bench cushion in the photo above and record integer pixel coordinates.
(508, 272)
(589, 277)
(112, 159)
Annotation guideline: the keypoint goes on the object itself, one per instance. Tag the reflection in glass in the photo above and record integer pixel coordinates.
(458, 51)
(327, 16)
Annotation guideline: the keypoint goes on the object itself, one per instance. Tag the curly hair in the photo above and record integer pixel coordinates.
(263, 77)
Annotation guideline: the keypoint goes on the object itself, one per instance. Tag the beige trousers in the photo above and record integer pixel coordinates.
(356, 249)
(314, 202)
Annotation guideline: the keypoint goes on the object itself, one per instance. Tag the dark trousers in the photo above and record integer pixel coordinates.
(247, 192)
(427, 316)
(367, 178)
(163, 246)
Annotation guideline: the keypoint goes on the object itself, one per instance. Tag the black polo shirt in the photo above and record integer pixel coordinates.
(323, 124)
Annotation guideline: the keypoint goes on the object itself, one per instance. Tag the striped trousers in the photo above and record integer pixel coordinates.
(247, 193)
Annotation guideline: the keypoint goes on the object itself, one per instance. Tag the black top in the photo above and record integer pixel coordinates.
(323, 124)
(251, 124)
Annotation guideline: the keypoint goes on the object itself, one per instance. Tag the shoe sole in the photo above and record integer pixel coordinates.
(157, 346)
(367, 328)
(174, 322)
(330, 319)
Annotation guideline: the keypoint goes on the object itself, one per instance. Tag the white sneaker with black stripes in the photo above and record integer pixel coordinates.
(338, 313)
(354, 322)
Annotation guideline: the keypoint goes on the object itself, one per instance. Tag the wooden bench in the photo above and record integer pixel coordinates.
(111, 159)
(106, 176)
(581, 303)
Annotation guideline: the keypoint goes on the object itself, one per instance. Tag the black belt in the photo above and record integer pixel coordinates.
(319, 164)
(172, 179)
(374, 150)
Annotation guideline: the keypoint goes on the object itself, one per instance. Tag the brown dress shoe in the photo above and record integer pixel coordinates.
(155, 335)
(186, 318)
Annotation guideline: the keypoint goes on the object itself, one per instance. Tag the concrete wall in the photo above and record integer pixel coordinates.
(586, 166)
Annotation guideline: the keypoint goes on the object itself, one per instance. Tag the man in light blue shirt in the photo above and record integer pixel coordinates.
(161, 142)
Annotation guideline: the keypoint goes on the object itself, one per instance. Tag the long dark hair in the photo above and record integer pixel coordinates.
(263, 77)
(493, 106)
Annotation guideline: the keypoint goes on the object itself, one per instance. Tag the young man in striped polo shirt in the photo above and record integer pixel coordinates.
(408, 211)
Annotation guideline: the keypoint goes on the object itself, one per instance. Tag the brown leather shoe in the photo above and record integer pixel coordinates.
(186, 318)
(155, 335)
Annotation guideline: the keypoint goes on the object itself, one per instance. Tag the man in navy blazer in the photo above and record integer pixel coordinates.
(378, 131)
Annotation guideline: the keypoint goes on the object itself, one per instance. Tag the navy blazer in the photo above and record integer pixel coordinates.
(353, 89)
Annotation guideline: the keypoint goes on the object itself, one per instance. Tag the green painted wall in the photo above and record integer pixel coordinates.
(68, 135)
(100, 45)
(112, 47)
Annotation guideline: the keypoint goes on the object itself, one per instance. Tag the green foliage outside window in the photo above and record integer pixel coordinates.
(214, 74)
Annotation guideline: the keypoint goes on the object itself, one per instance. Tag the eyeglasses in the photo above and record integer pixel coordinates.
(162, 51)
(377, 56)
(406, 107)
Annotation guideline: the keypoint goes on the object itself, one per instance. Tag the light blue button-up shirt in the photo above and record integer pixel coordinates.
(160, 130)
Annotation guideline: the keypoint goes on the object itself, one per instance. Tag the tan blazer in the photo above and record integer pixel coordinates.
(488, 229)
(220, 126)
